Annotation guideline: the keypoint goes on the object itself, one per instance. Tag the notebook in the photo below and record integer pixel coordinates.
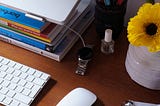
(56, 11)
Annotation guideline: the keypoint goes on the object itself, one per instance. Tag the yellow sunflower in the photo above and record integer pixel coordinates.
(144, 28)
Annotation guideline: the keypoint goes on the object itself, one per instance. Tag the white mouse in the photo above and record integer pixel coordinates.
(78, 97)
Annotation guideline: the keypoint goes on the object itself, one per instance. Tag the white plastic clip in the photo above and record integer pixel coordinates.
(34, 17)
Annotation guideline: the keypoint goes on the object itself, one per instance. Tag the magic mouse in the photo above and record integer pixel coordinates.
(78, 97)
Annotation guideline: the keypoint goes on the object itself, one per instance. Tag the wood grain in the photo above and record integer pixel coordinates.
(106, 74)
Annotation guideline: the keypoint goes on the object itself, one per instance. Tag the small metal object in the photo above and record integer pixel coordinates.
(84, 56)
(128, 103)
(137, 103)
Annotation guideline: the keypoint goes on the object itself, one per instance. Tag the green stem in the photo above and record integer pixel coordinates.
(150, 1)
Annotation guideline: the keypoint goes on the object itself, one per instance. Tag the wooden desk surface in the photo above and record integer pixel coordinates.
(106, 74)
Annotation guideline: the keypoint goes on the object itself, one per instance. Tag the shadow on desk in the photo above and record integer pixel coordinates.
(98, 103)
(44, 91)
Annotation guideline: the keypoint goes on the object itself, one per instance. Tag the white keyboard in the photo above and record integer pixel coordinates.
(19, 84)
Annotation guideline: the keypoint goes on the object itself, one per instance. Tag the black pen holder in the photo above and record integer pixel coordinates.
(109, 17)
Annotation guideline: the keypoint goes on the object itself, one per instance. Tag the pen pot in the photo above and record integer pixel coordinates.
(109, 17)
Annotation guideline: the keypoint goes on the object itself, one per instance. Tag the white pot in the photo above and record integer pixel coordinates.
(143, 67)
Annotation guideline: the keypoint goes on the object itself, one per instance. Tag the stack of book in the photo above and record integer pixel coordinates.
(43, 37)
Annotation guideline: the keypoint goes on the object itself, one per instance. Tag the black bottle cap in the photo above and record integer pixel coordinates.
(85, 53)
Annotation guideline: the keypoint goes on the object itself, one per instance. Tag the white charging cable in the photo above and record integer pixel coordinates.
(79, 35)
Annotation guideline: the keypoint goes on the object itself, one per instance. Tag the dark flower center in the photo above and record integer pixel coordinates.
(151, 29)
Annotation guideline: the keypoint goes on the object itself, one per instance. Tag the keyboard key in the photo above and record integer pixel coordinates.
(23, 75)
(22, 104)
(7, 100)
(1, 80)
(15, 79)
(2, 97)
(23, 98)
(4, 67)
(17, 72)
(37, 74)
(5, 61)
(8, 77)
(45, 76)
(5, 83)
(38, 81)
(24, 68)
(11, 63)
(29, 85)
(10, 70)
(4, 90)
(30, 78)
(1, 58)
(12, 86)
(31, 71)
(22, 82)
(26, 91)
(14, 103)
(35, 89)
(11, 93)
(18, 66)
(2, 74)
(19, 89)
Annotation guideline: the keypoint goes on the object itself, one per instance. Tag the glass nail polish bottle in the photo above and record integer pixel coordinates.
(107, 44)
(85, 54)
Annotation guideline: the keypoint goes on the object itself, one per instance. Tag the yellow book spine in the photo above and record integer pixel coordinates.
(35, 36)
(21, 25)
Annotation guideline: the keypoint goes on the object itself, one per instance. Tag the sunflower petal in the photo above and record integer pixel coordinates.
(137, 34)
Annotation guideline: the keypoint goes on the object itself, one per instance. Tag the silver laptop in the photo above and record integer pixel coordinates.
(56, 11)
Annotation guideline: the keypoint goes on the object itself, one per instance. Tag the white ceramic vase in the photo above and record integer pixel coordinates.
(143, 66)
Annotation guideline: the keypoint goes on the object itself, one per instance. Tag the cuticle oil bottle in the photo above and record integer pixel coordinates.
(107, 44)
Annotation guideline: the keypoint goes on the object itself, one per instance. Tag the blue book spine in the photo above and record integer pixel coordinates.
(20, 17)
(21, 38)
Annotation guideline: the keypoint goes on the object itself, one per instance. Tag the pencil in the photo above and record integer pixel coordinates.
(107, 2)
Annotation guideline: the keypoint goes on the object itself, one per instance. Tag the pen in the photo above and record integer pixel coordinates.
(107, 2)
(119, 2)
